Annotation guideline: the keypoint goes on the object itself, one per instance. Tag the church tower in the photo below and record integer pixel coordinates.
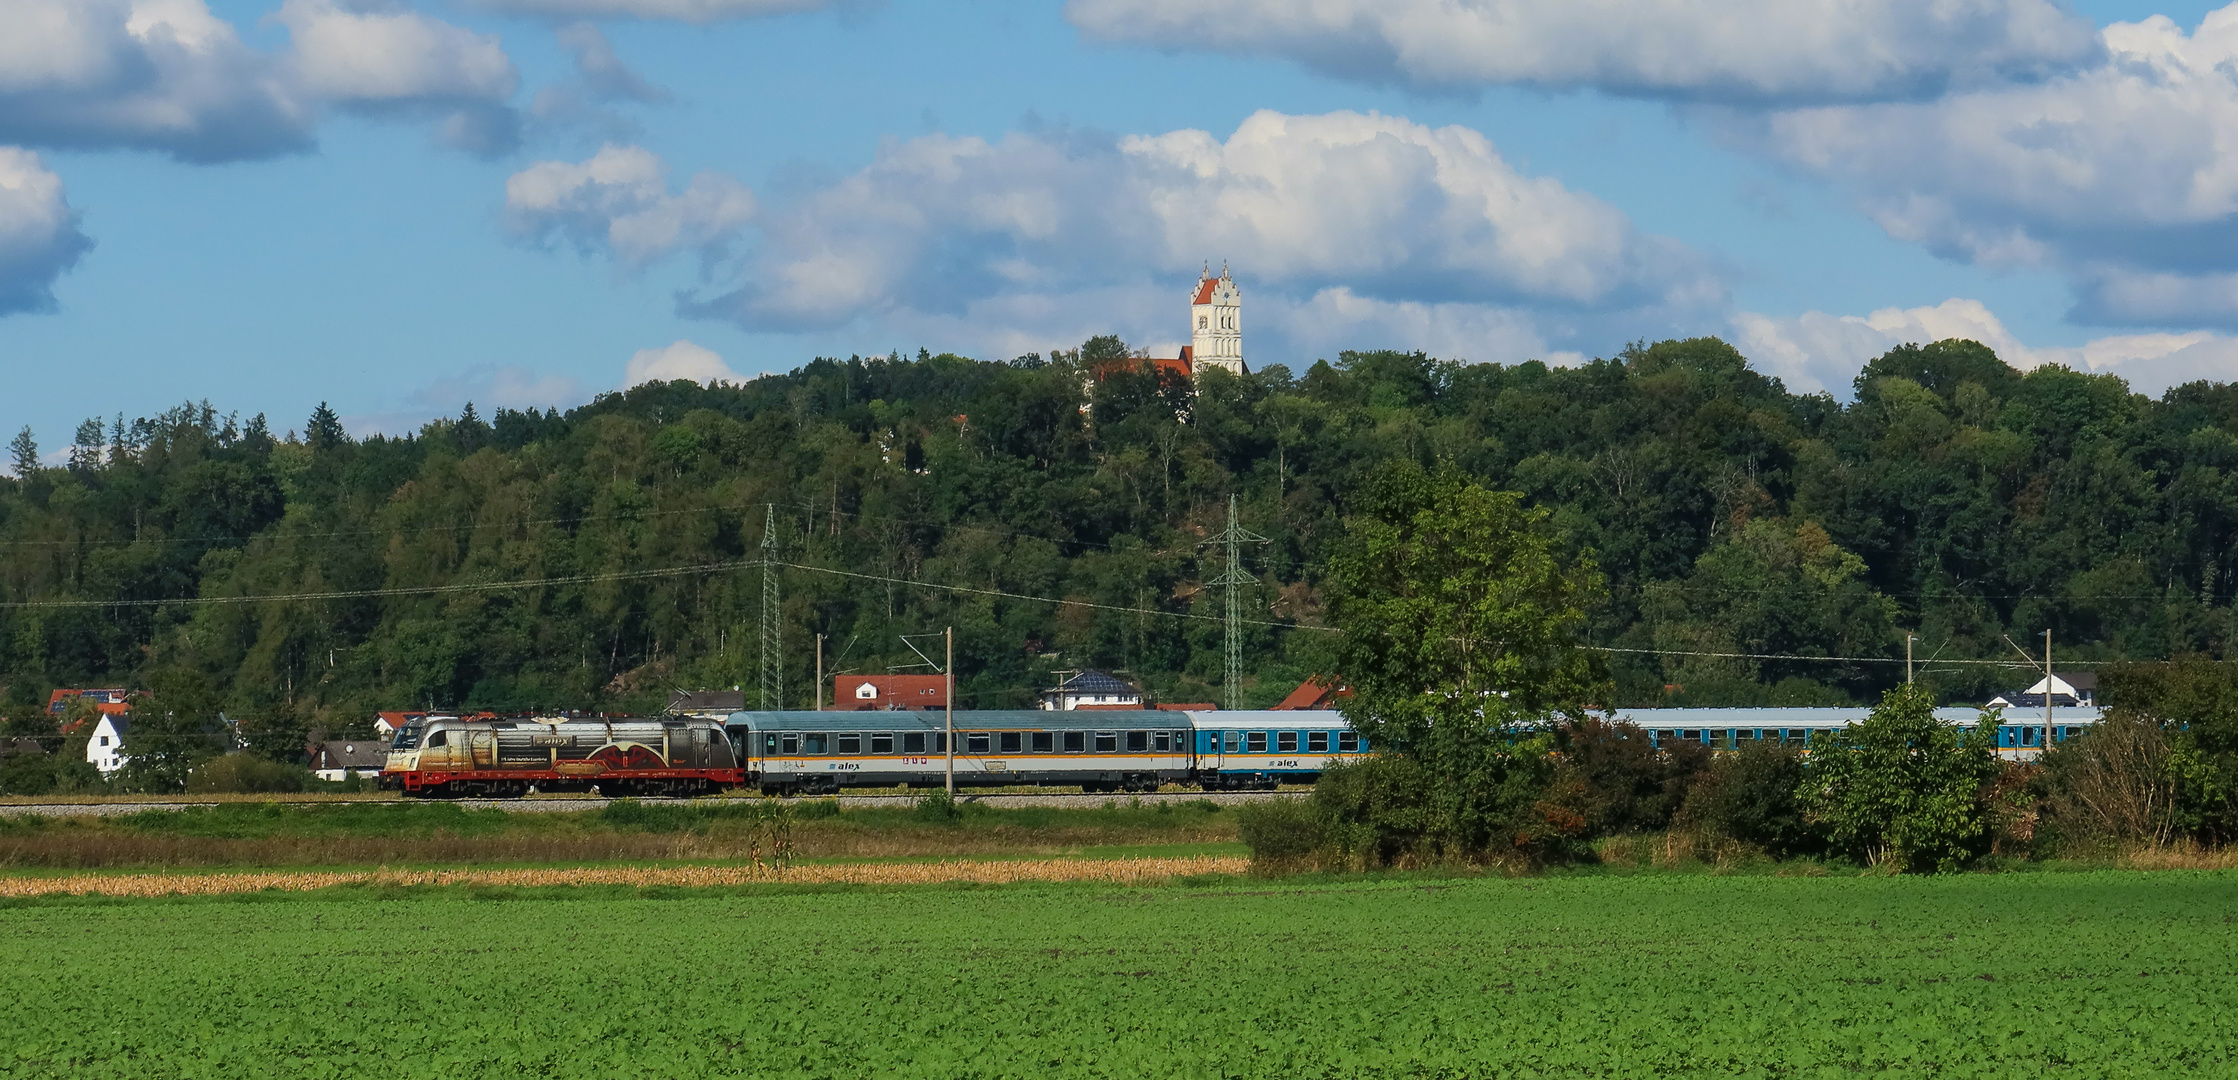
(1216, 320)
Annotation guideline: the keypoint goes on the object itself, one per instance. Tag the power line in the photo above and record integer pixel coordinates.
(414, 590)
(284, 535)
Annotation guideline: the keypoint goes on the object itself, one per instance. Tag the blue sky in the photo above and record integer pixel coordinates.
(398, 207)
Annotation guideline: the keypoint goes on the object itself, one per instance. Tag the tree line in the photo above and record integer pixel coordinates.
(303, 579)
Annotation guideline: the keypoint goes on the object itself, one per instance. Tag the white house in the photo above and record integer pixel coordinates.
(336, 759)
(1091, 690)
(2070, 690)
(105, 749)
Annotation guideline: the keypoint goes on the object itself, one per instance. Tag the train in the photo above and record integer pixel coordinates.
(803, 752)
(2019, 732)
(452, 757)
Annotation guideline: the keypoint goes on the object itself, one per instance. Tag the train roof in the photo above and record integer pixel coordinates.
(1828, 717)
(1033, 719)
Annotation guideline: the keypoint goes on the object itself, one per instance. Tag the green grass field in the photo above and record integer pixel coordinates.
(2102, 974)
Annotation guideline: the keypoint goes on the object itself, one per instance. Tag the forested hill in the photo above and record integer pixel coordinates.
(1956, 498)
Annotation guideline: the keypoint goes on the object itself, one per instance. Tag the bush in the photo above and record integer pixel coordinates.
(938, 806)
(1620, 781)
(1280, 832)
(1485, 803)
(243, 773)
(2117, 783)
(817, 808)
(1903, 790)
(1750, 796)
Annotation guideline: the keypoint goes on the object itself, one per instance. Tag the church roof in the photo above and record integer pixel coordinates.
(1204, 290)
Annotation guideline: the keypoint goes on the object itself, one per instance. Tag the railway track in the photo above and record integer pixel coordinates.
(552, 805)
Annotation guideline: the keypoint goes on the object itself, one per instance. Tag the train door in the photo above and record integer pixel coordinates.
(1210, 757)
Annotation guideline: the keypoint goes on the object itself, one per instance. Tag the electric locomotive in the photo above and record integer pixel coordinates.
(448, 757)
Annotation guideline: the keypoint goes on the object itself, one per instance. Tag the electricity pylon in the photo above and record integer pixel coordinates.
(1233, 538)
(773, 621)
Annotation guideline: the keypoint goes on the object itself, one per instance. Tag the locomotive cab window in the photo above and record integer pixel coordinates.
(1317, 742)
(850, 743)
(1076, 742)
(407, 739)
(913, 742)
(1138, 742)
(440, 738)
(1045, 742)
(975, 742)
(1010, 741)
(882, 744)
(1348, 742)
(1286, 742)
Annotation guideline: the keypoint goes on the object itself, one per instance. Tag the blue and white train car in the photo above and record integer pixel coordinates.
(1094, 749)
(1261, 748)
(2019, 733)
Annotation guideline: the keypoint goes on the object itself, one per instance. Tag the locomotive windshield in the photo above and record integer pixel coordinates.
(408, 738)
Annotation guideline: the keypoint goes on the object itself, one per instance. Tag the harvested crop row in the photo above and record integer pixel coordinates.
(1121, 871)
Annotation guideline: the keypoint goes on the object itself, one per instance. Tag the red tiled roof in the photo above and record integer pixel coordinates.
(1204, 290)
(1314, 694)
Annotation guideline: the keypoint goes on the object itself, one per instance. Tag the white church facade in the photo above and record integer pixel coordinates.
(1216, 318)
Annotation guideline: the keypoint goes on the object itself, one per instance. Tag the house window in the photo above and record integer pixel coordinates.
(104, 740)
(1200, 322)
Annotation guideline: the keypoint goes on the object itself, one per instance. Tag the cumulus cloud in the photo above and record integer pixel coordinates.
(387, 58)
(169, 76)
(39, 237)
(162, 75)
(694, 11)
(2123, 176)
(678, 360)
(1756, 51)
(600, 79)
(619, 202)
(1816, 351)
(1387, 210)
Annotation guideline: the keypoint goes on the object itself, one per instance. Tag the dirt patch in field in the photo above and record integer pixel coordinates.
(1117, 871)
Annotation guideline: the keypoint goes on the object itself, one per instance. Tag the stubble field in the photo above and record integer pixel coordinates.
(2103, 974)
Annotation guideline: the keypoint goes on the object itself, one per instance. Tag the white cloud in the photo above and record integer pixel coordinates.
(1383, 209)
(600, 70)
(169, 76)
(1731, 50)
(387, 58)
(679, 360)
(39, 237)
(1816, 351)
(695, 11)
(162, 75)
(618, 201)
(2124, 176)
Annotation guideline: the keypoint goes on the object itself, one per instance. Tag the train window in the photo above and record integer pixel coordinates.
(1107, 742)
(1286, 742)
(913, 742)
(1235, 742)
(791, 744)
(1690, 736)
(1011, 742)
(1348, 742)
(975, 742)
(1138, 742)
(1255, 742)
(769, 743)
(940, 742)
(1044, 741)
(2028, 736)
(850, 743)
(1163, 742)
(1317, 742)
(1076, 741)
(1743, 734)
(813, 744)
(882, 744)
(440, 738)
